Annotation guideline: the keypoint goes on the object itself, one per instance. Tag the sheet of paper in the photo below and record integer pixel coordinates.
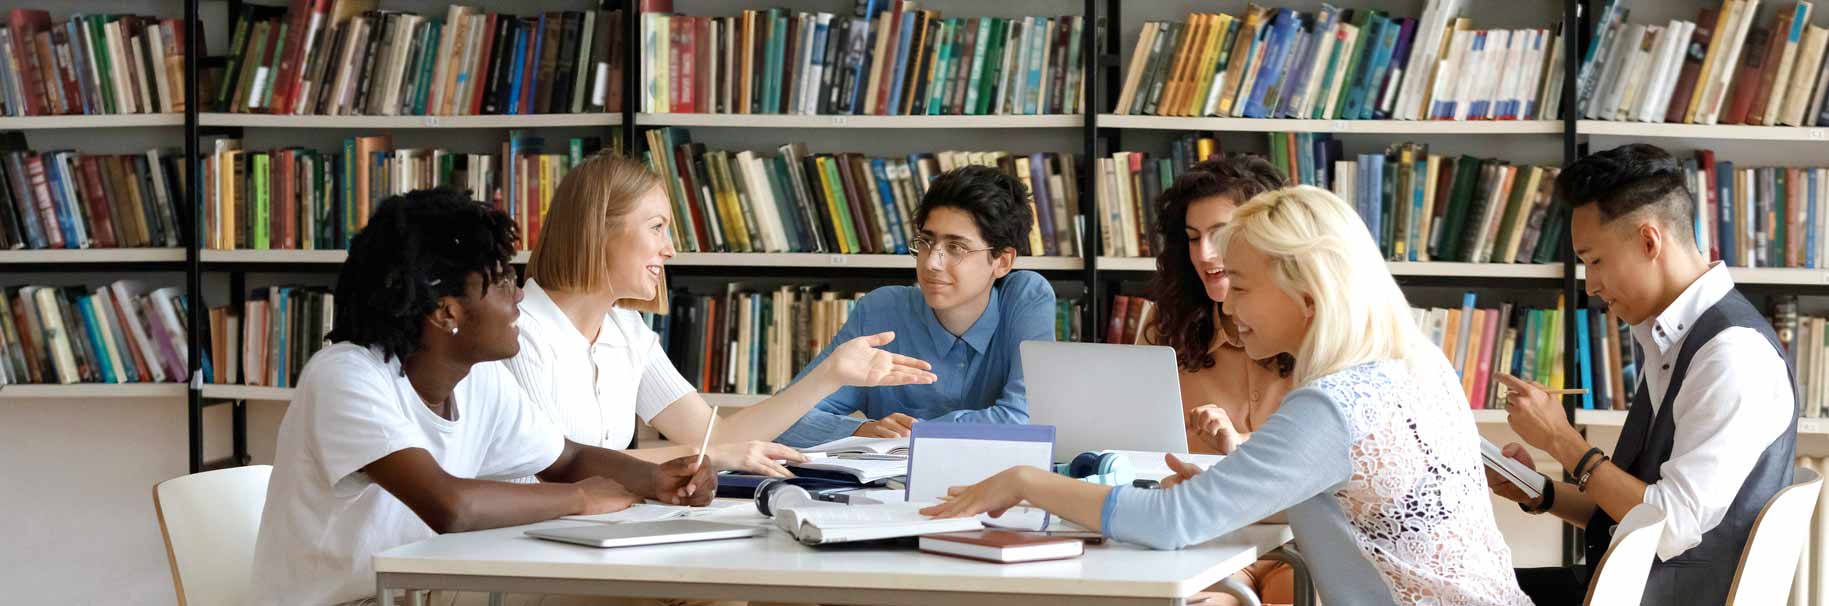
(866, 470)
(857, 444)
(1021, 518)
(640, 512)
(1150, 465)
(1524, 478)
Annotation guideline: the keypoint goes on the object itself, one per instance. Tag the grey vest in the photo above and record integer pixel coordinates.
(1704, 573)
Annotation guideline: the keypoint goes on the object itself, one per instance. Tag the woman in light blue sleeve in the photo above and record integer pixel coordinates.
(1374, 455)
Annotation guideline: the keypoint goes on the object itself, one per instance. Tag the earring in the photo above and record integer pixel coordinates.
(453, 331)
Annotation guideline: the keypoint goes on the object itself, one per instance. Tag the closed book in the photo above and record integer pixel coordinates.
(1003, 546)
(1694, 56)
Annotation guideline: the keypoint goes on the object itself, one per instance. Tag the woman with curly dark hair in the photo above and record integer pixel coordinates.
(406, 426)
(1227, 394)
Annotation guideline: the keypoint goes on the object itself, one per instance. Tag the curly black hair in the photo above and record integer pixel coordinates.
(1186, 318)
(417, 248)
(997, 202)
(1627, 179)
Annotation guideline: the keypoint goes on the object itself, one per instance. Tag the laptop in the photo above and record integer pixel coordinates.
(646, 533)
(1105, 397)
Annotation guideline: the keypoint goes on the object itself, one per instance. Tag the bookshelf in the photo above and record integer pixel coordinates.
(1369, 127)
(233, 120)
(1401, 269)
(29, 123)
(887, 122)
(248, 392)
(1720, 132)
(87, 256)
(92, 391)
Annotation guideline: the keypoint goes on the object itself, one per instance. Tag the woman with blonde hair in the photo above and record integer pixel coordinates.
(593, 366)
(1374, 454)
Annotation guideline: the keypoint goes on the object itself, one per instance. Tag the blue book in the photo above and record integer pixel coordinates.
(860, 62)
(515, 75)
(1375, 197)
(755, 344)
(1400, 63)
(1305, 157)
(1323, 27)
(1462, 357)
(818, 56)
(1276, 54)
(79, 55)
(901, 62)
(85, 305)
(1044, 204)
(536, 43)
(68, 215)
(886, 190)
(1419, 189)
(1724, 188)
(282, 318)
(1383, 37)
(1381, 67)
(777, 50)
(1810, 206)
(1582, 348)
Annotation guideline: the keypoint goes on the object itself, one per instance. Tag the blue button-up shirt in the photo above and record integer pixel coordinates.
(979, 373)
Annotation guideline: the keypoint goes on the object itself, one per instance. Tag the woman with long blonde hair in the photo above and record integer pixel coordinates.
(593, 366)
(1374, 454)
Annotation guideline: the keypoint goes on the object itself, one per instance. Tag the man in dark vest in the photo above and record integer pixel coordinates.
(1709, 437)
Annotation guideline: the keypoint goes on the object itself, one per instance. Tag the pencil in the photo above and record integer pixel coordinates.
(709, 423)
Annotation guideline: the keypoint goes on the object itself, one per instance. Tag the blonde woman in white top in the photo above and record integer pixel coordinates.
(592, 365)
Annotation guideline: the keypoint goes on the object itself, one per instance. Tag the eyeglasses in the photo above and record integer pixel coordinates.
(950, 251)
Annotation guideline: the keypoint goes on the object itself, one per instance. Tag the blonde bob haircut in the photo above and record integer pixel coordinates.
(1320, 251)
(586, 217)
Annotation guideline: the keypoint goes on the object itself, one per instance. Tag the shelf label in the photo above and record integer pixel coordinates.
(840, 260)
(1817, 134)
(431, 120)
(838, 120)
(1809, 425)
(1342, 125)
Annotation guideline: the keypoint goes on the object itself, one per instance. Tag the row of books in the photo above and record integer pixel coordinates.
(268, 340)
(1723, 68)
(798, 201)
(305, 199)
(1530, 343)
(889, 58)
(1760, 217)
(116, 333)
(65, 199)
(1128, 318)
(90, 64)
(1430, 207)
(1357, 64)
(344, 57)
(1806, 341)
(755, 341)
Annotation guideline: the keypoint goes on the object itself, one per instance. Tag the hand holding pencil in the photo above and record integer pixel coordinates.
(1537, 417)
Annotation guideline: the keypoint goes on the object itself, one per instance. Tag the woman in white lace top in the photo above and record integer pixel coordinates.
(1374, 455)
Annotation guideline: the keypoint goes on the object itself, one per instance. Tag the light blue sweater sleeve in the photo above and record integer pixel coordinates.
(1302, 451)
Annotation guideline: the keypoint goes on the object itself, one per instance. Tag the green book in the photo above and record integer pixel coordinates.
(943, 60)
(1782, 215)
(422, 93)
(261, 204)
(271, 64)
(1466, 176)
(1362, 20)
(346, 189)
(777, 56)
(841, 206)
(993, 68)
(98, 38)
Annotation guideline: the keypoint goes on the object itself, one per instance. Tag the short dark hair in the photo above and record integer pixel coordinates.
(997, 202)
(1628, 179)
(417, 248)
(1185, 318)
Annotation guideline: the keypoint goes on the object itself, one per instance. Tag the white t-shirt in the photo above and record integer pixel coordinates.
(593, 389)
(325, 519)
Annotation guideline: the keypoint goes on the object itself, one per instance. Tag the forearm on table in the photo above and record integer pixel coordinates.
(578, 462)
(483, 504)
(1077, 501)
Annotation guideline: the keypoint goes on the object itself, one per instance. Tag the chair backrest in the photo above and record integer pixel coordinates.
(1619, 579)
(1769, 561)
(210, 521)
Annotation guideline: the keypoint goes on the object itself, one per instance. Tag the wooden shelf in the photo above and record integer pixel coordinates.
(274, 256)
(96, 121)
(905, 122)
(491, 121)
(248, 392)
(1605, 128)
(1600, 418)
(1779, 276)
(1488, 416)
(92, 255)
(91, 391)
(1394, 127)
(1399, 269)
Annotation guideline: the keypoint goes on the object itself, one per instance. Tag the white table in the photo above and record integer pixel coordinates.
(776, 568)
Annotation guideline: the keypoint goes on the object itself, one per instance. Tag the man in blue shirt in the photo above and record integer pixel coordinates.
(966, 317)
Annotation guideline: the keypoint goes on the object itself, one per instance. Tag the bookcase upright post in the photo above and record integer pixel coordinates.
(193, 268)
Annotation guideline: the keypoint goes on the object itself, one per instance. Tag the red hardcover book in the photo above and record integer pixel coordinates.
(298, 17)
(888, 59)
(1775, 51)
(1114, 325)
(682, 60)
(1747, 78)
(1705, 160)
(704, 88)
(1003, 546)
(26, 23)
(66, 72)
(101, 208)
(47, 210)
(530, 64)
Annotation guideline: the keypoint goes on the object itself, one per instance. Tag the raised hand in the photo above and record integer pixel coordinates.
(859, 362)
(1214, 427)
(1184, 471)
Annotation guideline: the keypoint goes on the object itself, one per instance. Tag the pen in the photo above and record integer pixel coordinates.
(709, 423)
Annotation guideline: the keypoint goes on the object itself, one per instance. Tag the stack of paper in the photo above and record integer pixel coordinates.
(824, 523)
(857, 445)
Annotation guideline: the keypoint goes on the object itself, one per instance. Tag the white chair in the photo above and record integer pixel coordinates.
(210, 521)
(1620, 577)
(1769, 560)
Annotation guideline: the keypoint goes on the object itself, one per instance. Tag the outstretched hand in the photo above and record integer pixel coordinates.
(861, 363)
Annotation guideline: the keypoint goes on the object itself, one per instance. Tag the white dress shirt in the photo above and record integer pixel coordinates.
(1735, 399)
(593, 389)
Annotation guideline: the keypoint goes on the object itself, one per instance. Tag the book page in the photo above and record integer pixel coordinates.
(862, 445)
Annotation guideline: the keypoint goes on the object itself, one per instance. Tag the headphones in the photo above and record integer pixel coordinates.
(785, 493)
(1100, 467)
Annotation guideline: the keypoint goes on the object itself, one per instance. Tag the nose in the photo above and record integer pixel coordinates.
(666, 249)
(933, 261)
(1206, 249)
(519, 293)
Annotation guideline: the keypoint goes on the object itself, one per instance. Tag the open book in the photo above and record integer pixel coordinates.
(825, 523)
(1525, 478)
(862, 446)
(865, 471)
